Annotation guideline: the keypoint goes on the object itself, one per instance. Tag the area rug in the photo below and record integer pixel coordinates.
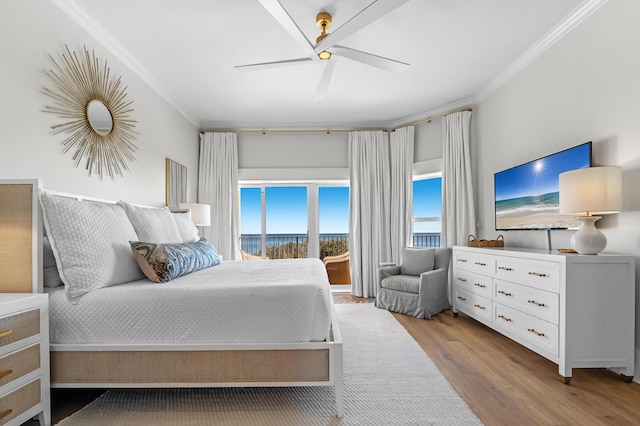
(388, 380)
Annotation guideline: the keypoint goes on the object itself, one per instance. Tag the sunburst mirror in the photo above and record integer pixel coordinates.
(95, 110)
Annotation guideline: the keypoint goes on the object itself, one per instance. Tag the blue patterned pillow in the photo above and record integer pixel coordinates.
(163, 262)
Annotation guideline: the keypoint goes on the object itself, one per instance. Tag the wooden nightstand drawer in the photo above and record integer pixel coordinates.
(17, 364)
(19, 401)
(14, 328)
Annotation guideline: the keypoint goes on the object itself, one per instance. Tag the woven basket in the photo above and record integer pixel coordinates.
(472, 242)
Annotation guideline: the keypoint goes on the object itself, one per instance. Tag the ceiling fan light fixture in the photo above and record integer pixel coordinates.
(324, 55)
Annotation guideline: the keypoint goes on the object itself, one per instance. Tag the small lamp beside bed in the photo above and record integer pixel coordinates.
(200, 213)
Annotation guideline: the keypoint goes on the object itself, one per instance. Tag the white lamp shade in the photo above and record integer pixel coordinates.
(200, 213)
(591, 191)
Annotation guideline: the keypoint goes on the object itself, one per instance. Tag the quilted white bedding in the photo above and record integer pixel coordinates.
(234, 302)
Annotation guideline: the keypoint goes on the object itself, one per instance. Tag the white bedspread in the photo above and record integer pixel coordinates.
(234, 302)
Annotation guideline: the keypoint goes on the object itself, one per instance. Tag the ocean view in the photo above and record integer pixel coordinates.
(331, 244)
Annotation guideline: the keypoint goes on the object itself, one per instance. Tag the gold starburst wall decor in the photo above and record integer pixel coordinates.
(96, 113)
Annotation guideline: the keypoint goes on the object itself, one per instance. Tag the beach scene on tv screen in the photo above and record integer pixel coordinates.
(528, 196)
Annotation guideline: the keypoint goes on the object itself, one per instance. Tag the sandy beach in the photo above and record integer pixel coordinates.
(535, 220)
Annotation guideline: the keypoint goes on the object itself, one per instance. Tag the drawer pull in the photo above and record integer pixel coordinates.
(504, 318)
(461, 298)
(6, 333)
(533, 330)
(504, 292)
(479, 285)
(479, 306)
(462, 280)
(5, 413)
(462, 260)
(505, 268)
(5, 373)
(538, 274)
(535, 303)
(481, 264)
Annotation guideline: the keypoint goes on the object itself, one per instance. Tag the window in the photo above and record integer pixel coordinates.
(296, 221)
(427, 211)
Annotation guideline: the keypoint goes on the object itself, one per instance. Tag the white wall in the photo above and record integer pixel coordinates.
(318, 155)
(30, 31)
(586, 87)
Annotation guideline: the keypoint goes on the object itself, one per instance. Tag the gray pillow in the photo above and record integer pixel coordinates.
(417, 260)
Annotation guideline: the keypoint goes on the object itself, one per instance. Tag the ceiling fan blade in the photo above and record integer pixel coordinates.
(269, 65)
(370, 59)
(369, 14)
(282, 16)
(323, 85)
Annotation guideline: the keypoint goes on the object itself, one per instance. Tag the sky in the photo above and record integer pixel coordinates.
(540, 176)
(287, 208)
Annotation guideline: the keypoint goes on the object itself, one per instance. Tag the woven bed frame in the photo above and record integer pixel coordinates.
(141, 366)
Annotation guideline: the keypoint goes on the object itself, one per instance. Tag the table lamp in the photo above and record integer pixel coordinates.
(200, 213)
(590, 193)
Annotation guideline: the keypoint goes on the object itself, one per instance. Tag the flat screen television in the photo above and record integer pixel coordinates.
(527, 196)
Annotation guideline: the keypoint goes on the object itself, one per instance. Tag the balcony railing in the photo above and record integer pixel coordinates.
(293, 246)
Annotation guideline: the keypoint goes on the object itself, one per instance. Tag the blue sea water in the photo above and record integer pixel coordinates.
(549, 202)
(252, 242)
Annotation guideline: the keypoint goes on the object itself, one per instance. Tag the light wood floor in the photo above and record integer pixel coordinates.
(503, 382)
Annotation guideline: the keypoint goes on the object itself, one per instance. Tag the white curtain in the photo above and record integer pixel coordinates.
(458, 208)
(401, 156)
(218, 187)
(369, 212)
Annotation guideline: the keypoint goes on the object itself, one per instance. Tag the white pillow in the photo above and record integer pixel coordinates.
(90, 242)
(153, 225)
(50, 275)
(188, 231)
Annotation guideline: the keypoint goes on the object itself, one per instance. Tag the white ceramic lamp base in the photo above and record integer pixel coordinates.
(588, 239)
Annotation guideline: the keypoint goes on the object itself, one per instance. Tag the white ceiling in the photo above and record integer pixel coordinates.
(457, 49)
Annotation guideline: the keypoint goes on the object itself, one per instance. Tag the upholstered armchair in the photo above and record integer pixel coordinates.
(418, 286)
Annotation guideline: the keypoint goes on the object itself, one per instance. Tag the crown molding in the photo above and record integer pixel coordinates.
(71, 9)
(571, 21)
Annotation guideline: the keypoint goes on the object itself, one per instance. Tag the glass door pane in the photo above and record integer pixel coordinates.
(333, 216)
(286, 216)
(251, 221)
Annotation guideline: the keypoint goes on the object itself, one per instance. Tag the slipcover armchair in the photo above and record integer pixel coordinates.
(419, 285)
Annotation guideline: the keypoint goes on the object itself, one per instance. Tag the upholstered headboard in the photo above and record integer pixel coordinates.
(20, 236)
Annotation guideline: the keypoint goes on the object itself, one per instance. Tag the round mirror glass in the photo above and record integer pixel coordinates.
(99, 117)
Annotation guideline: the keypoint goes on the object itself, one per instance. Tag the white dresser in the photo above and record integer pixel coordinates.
(24, 358)
(575, 310)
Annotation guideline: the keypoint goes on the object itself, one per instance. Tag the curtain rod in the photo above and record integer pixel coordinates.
(328, 131)
(427, 120)
(265, 131)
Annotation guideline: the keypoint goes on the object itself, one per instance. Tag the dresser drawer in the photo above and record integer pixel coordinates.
(20, 400)
(474, 283)
(16, 327)
(538, 303)
(534, 331)
(475, 262)
(19, 363)
(473, 304)
(535, 273)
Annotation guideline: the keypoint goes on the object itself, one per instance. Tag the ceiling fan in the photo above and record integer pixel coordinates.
(326, 49)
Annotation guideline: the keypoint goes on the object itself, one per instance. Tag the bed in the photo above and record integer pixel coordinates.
(232, 324)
